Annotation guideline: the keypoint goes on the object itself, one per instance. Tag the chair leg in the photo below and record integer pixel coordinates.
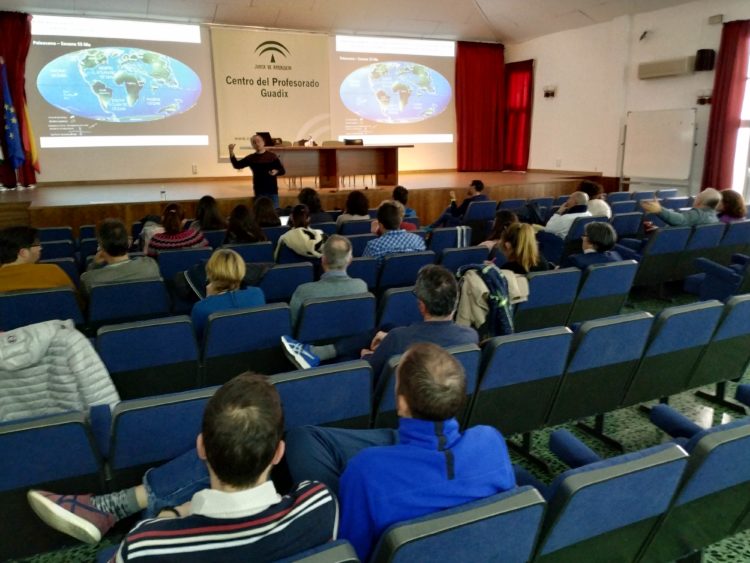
(597, 431)
(695, 557)
(524, 450)
(719, 398)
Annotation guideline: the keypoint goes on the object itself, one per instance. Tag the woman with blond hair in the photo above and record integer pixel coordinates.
(519, 245)
(225, 271)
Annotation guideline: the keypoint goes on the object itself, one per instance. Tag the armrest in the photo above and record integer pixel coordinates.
(627, 253)
(711, 268)
(672, 422)
(570, 450)
(740, 259)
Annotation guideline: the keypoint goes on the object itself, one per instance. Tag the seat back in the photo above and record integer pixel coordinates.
(727, 356)
(622, 207)
(288, 256)
(400, 270)
(703, 243)
(543, 201)
(604, 356)
(58, 249)
(215, 237)
(244, 339)
(50, 234)
(519, 377)
(339, 551)
(342, 395)
(713, 499)
(384, 398)
(254, 251)
(273, 234)
(454, 258)
(87, 247)
(444, 237)
(52, 453)
(86, 231)
(667, 193)
(677, 341)
(359, 242)
(616, 197)
(595, 510)
(661, 254)
(366, 269)
(329, 227)
(480, 211)
(330, 318)
(736, 240)
(21, 308)
(280, 282)
(675, 202)
(511, 204)
(469, 532)
(398, 307)
(123, 301)
(358, 227)
(627, 224)
(173, 261)
(551, 297)
(68, 265)
(150, 357)
(604, 290)
(640, 196)
(579, 225)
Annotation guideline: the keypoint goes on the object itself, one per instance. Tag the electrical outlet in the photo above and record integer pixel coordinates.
(195, 168)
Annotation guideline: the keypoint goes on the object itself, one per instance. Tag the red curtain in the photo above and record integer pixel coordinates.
(519, 98)
(480, 105)
(15, 39)
(728, 92)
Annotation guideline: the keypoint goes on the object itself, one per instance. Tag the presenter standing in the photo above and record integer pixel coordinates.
(265, 166)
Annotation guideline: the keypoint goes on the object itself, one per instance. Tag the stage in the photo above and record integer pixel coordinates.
(87, 203)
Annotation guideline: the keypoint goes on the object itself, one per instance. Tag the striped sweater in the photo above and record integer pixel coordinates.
(304, 519)
(183, 239)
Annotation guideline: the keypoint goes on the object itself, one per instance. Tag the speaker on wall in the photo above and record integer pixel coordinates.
(705, 59)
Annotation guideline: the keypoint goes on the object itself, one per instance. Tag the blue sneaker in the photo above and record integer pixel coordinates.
(299, 354)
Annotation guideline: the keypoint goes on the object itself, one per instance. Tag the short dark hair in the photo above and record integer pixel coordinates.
(601, 235)
(401, 194)
(357, 203)
(14, 239)
(309, 197)
(300, 216)
(591, 189)
(437, 288)
(113, 237)
(242, 427)
(432, 381)
(478, 185)
(389, 215)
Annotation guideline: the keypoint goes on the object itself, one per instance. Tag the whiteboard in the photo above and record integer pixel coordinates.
(659, 144)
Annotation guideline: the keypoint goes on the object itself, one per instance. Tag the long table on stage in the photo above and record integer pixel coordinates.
(331, 163)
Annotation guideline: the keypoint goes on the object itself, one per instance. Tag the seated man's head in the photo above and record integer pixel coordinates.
(709, 198)
(389, 216)
(401, 194)
(113, 238)
(19, 245)
(476, 187)
(225, 271)
(241, 435)
(337, 253)
(578, 198)
(430, 384)
(300, 216)
(437, 292)
(309, 197)
(599, 236)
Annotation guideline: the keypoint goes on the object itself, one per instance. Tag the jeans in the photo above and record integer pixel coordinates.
(175, 482)
(321, 454)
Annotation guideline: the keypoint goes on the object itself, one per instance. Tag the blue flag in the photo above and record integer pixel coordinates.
(11, 133)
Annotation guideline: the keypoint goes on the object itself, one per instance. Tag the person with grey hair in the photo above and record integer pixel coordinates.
(576, 206)
(335, 282)
(703, 211)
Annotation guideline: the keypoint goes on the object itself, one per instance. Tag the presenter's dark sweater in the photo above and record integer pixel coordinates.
(261, 164)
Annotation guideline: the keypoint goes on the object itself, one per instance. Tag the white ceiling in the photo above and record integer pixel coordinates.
(506, 21)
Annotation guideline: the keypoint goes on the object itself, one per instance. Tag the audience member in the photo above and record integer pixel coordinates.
(596, 206)
(20, 251)
(436, 290)
(521, 250)
(335, 282)
(386, 476)
(702, 213)
(732, 207)
(454, 214)
(243, 228)
(576, 206)
(310, 198)
(112, 263)
(225, 271)
(265, 212)
(300, 238)
(401, 195)
(207, 215)
(357, 208)
(393, 239)
(598, 241)
(174, 236)
(232, 513)
(503, 219)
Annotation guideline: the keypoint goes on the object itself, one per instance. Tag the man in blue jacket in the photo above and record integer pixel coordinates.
(387, 476)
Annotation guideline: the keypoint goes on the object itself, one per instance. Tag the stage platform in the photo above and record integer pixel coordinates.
(76, 205)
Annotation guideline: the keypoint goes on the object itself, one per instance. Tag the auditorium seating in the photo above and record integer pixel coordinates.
(68, 265)
(329, 227)
(719, 282)
(87, 247)
(55, 234)
(86, 231)
(627, 224)
(279, 283)
(58, 249)
(400, 270)
(617, 197)
(365, 268)
(273, 234)
(398, 307)
(658, 257)
(454, 258)
(480, 211)
(21, 308)
(703, 241)
(603, 291)
(359, 242)
(327, 319)
(502, 527)
(736, 240)
(215, 238)
(640, 196)
(676, 203)
(253, 252)
(666, 193)
(124, 301)
(623, 207)
(357, 227)
(511, 204)
(448, 237)
(172, 262)
(551, 297)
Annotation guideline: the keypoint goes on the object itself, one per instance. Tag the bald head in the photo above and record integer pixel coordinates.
(337, 252)
(578, 198)
(708, 198)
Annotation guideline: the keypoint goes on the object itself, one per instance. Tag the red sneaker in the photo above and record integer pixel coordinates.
(71, 514)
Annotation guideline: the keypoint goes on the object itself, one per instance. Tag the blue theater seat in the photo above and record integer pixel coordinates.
(215, 238)
(280, 282)
(366, 269)
(616, 197)
(273, 234)
(330, 318)
(254, 251)
(604, 290)
(359, 242)
(480, 211)
(623, 207)
(400, 270)
(398, 307)
(357, 227)
(127, 301)
(21, 308)
(52, 234)
(173, 261)
(551, 298)
(454, 258)
(627, 224)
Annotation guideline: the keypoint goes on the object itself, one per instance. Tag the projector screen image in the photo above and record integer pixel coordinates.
(392, 91)
(119, 84)
(106, 83)
(396, 92)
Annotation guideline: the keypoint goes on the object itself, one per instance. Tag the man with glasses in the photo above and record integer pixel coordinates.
(20, 251)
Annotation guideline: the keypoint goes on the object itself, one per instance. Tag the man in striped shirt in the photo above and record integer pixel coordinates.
(240, 517)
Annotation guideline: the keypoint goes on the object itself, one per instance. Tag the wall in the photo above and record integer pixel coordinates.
(595, 71)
